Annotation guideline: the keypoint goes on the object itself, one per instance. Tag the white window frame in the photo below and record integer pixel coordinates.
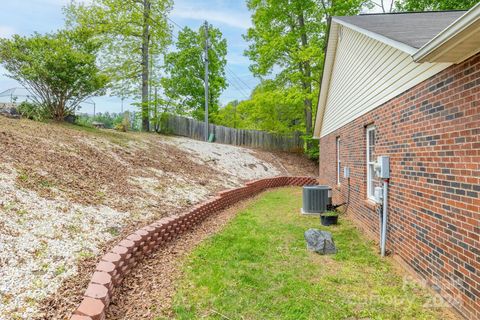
(339, 162)
(370, 164)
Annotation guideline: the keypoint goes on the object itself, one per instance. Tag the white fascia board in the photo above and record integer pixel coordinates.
(393, 43)
(448, 33)
(326, 77)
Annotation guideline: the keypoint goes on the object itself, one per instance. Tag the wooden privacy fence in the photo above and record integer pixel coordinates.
(195, 129)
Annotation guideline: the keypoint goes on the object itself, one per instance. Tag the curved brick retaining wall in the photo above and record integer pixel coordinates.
(123, 258)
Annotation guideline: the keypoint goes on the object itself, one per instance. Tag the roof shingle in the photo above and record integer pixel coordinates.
(414, 29)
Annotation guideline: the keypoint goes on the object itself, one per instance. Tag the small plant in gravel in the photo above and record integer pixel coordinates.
(9, 205)
(21, 212)
(45, 267)
(30, 301)
(40, 252)
(17, 316)
(100, 195)
(23, 176)
(113, 231)
(6, 298)
(73, 228)
(85, 255)
(46, 184)
(38, 283)
(60, 270)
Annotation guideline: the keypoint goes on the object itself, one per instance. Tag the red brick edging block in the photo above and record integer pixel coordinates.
(123, 257)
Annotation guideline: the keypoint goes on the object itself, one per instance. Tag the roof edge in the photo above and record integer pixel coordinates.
(388, 41)
(462, 23)
(408, 12)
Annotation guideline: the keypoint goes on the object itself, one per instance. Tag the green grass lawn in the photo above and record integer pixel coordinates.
(259, 268)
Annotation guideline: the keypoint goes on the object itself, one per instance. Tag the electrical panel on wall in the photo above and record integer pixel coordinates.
(382, 167)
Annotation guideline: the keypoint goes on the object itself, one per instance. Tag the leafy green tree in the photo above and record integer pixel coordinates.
(286, 42)
(270, 108)
(433, 5)
(135, 34)
(58, 69)
(185, 69)
(228, 116)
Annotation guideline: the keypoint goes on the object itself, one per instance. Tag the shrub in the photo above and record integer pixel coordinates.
(124, 126)
(60, 69)
(312, 149)
(33, 111)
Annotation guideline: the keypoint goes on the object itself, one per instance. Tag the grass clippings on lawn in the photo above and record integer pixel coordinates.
(258, 268)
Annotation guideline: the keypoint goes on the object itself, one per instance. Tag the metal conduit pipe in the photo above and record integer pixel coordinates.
(383, 237)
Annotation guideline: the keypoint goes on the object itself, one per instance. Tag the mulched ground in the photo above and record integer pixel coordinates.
(92, 168)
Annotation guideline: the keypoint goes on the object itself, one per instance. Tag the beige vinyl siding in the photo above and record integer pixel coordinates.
(366, 74)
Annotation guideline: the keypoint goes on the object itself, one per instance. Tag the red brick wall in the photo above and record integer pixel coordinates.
(432, 135)
(122, 259)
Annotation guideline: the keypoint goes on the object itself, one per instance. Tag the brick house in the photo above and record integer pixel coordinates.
(407, 86)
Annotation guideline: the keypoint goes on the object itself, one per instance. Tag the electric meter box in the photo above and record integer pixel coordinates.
(346, 172)
(378, 194)
(383, 167)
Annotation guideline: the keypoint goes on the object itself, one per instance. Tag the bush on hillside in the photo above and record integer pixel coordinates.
(59, 69)
(33, 111)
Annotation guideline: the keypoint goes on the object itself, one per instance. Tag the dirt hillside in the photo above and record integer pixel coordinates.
(67, 192)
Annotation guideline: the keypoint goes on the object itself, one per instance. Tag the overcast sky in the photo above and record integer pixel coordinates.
(231, 16)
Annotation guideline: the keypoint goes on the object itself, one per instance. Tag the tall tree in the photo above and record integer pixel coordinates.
(134, 33)
(229, 115)
(287, 39)
(185, 69)
(388, 6)
(270, 108)
(58, 69)
(432, 5)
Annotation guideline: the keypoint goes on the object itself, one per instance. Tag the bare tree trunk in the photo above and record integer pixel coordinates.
(306, 81)
(59, 111)
(145, 65)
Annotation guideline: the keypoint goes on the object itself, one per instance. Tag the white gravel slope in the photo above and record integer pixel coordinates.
(40, 242)
(240, 163)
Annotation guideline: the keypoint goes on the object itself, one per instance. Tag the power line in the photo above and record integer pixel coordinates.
(239, 79)
(179, 26)
(236, 86)
(233, 81)
(240, 90)
(240, 82)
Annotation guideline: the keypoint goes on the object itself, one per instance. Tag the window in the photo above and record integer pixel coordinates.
(372, 180)
(339, 163)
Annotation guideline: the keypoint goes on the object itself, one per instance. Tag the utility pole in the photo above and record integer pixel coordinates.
(207, 44)
(155, 113)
